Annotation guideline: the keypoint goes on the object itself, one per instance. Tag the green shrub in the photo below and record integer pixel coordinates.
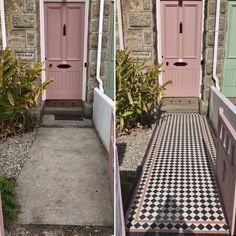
(10, 204)
(138, 92)
(18, 90)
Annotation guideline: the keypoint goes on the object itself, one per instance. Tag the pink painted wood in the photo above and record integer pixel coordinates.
(181, 47)
(120, 219)
(111, 156)
(226, 168)
(1, 219)
(64, 44)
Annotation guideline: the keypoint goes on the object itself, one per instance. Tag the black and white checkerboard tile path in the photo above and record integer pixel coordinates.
(177, 191)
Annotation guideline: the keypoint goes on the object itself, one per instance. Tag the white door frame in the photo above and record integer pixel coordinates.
(159, 51)
(42, 41)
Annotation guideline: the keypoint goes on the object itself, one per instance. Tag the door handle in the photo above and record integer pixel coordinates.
(180, 64)
(50, 65)
(64, 29)
(167, 63)
(181, 27)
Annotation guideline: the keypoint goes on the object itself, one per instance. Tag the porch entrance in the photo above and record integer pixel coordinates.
(181, 46)
(64, 47)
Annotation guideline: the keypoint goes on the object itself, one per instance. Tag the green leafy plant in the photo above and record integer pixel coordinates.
(138, 91)
(20, 89)
(10, 204)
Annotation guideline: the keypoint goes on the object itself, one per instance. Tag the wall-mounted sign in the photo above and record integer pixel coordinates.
(25, 55)
(146, 55)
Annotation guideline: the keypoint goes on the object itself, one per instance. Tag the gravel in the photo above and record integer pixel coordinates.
(14, 151)
(132, 148)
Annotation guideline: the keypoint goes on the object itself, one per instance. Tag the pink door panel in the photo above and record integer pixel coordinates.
(64, 37)
(181, 37)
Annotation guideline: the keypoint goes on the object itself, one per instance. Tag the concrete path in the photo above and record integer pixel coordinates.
(65, 181)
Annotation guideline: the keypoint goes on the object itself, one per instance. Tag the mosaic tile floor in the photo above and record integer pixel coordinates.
(177, 190)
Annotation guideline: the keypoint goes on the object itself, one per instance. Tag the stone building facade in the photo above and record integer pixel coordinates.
(23, 37)
(140, 35)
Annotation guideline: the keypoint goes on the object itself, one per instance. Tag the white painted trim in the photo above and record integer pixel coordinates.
(3, 24)
(159, 51)
(99, 48)
(217, 25)
(42, 41)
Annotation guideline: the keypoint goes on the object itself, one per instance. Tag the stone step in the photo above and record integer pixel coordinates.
(64, 103)
(180, 105)
(51, 121)
(66, 111)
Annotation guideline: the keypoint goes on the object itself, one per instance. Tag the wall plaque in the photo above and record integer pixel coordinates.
(146, 55)
(25, 55)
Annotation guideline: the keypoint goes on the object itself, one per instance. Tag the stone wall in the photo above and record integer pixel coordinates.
(93, 44)
(139, 28)
(208, 44)
(22, 26)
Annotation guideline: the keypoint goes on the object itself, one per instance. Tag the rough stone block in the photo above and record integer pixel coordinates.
(88, 110)
(147, 5)
(211, 8)
(30, 5)
(148, 37)
(203, 107)
(140, 20)
(93, 41)
(134, 40)
(15, 42)
(96, 9)
(95, 26)
(93, 56)
(30, 38)
(209, 68)
(23, 20)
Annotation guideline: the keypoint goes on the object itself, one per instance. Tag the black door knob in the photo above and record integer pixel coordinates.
(167, 63)
(50, 65)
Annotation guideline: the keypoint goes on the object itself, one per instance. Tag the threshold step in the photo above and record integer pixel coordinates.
(64, 103)
(180, 108)
(63, 110)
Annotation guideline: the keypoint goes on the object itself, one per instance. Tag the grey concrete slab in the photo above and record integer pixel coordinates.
(65, 181)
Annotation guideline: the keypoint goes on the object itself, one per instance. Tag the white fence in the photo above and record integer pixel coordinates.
(217, 100)
(102, 112)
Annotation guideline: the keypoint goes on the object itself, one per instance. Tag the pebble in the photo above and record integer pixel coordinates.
(14, 151)
(132, 148)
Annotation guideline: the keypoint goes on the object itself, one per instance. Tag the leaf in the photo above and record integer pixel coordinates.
(130, 98)
(128, 113)
(10, 98)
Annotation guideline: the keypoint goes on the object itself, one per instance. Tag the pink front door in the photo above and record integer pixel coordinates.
(181, 47)
(64, 43)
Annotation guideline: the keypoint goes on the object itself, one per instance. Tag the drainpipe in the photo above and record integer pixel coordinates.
(3, 24)
(120, 24)
(99, 51)
(217, 25)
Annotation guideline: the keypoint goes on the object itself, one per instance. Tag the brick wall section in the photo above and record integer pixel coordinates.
(139, 28)
(208, 43)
